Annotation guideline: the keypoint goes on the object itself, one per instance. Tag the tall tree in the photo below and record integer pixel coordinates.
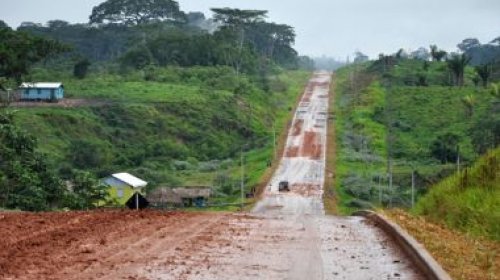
(236, 17)
(3, 24)
(134, 12)
(484, 72)
(437, 54)
(27, 182)
(80, 69)
(456, 64)
(235, 23)
(468, 44)
(20, 50)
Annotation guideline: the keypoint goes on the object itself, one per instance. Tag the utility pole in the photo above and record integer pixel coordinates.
(379, 190)
(458, 159)
(242, 183)
(274, 142)
(390, 185)
(412, 188)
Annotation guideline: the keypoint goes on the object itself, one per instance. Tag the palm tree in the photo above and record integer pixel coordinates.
(456, 64)
(437, 55)
(484, 72)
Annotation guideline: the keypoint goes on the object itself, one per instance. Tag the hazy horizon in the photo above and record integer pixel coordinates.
(324, 28)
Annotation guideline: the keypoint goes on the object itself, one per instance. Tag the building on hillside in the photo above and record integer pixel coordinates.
(122, 186)
(52, 92)
(180, 197)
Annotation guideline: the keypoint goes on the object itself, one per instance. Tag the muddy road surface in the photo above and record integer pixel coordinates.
(286, 236)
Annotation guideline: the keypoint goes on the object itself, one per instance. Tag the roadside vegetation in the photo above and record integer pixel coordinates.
(392, 122)
(172, 97)
(469, 200)
(418, 140)
(460, 254)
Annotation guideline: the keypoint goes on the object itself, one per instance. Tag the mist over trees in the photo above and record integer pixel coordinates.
(481, 54)
(160, 34)
(327, 63)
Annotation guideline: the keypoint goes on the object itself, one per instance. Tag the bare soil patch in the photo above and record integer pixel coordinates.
(84, 245)
(311, 147)
(292, 152)
(297, 127)
(306, 190)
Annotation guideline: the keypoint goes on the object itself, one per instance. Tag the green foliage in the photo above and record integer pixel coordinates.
(136, 12)
(137, 58)
(445, 147)
(484, 72)
(437, 55)
(81, 68)
(469, 200)
(178, 130)
(87, 191)
(456, 64)
(382, 110)
(85, 154)
(19, 51)
(27, 182)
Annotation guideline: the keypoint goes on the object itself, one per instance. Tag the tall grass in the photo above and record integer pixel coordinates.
(469, 200)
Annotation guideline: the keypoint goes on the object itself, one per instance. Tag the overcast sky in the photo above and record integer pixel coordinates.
(324, 27)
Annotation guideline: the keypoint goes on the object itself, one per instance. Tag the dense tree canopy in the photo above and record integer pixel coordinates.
(133, 12)
(237, 17)
(20, 50)
(26, 180)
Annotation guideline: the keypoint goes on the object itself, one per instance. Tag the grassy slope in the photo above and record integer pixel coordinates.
(458, 221)
(419, 114)
(462, 256)
(191, 117)
(469, 200)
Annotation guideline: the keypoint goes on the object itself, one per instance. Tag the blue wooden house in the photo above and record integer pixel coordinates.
(42, 91)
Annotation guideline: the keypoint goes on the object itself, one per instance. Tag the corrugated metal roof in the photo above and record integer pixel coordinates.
(130, 180)
(40, 85)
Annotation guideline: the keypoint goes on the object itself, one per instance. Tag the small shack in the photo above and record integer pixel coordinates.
(180, 197)
(122, 186)
(52, 92)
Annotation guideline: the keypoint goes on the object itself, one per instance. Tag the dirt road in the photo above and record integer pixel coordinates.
(287, 235)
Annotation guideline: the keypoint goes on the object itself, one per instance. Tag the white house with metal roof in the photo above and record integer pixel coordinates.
(42, 91)
(122, 186)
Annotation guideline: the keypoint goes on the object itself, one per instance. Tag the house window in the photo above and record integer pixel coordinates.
(119, 193)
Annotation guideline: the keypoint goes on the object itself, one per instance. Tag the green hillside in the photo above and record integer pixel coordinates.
(166, 132)
(388, 119)
(469, 200)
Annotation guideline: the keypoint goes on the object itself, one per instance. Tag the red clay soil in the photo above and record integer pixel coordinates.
(297, 127)
(91, 245)
(311, 146)
(292, 152)
(306, 190)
